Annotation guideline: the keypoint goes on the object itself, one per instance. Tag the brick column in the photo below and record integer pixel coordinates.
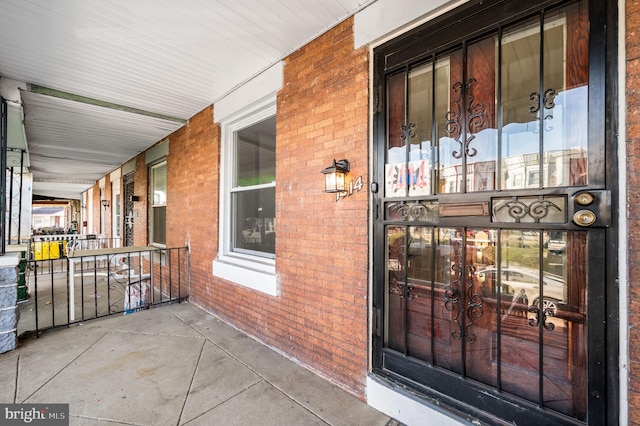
(633, 210)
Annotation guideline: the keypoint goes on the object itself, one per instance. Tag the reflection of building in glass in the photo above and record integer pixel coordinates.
(481, 176)
(567, 167)
(520, 145)
(560, 168)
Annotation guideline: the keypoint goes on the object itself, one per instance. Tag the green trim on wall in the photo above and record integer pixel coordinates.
(41, 90)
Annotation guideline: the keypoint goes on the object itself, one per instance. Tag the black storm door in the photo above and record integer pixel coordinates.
(128, 209)
(492, 211)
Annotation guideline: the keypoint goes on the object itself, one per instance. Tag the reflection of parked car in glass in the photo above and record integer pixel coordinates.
(524, 284)
(557, 246)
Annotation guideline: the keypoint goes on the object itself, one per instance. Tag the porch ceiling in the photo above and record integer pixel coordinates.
(106, 79)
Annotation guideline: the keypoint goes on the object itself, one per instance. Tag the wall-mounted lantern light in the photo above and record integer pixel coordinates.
(105, 203)
(334, 176)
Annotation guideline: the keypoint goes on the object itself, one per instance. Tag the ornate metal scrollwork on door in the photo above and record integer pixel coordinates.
(407, 131)
(548, 102)
(410, 211)
(425, 211)
(397, 289)
(535, 209)
(546, 312)
(474, 118)
(473, 302)
(452, 299)
(128, 208)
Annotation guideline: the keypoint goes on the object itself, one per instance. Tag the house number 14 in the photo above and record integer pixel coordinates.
(354, 186)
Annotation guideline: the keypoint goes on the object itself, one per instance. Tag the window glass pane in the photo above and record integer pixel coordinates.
(158, 202)
(159, 228)
(254, 220)
(159, 185)
(255, 158)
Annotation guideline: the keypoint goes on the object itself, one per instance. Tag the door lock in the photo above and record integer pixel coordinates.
(584, 198)
(591, 208)
(584, 217)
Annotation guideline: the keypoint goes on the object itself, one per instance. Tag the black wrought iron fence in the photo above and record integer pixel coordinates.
(94, 283)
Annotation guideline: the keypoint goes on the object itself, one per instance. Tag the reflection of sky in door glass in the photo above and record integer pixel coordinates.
(417, 152)
(565, 129)
(524, 138)
(565, 133)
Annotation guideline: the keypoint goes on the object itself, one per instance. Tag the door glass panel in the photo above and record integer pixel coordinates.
(421, 126)
(518, 280)
(565, 96)
(470, 301)
(419, 279)
(543, 329)
(480, 303)
(520, 80)
(481, 139)
(450, 132)
(557, 99)
(396, 282)
(396, 163)
(565, 344)
(470, 137)
(447, 299)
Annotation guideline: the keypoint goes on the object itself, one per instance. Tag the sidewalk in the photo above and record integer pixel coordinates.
(173, 365)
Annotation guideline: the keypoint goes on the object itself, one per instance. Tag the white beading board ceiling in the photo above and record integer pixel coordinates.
(163, 61)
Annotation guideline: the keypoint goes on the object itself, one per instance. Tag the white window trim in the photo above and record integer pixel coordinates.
(150, 167)
(255, 272)
(116, 219)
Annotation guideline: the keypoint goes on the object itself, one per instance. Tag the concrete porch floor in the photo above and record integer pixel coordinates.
(172, 365)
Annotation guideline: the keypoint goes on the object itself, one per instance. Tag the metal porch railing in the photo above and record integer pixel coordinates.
(94, 283)
(46, 247)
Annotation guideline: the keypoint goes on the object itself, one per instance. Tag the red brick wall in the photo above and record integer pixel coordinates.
(192, 196)
(633, 193)
(97, 210)
(322, 244)
(320, 318)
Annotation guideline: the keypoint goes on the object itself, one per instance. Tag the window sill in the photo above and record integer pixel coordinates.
(257, 276)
